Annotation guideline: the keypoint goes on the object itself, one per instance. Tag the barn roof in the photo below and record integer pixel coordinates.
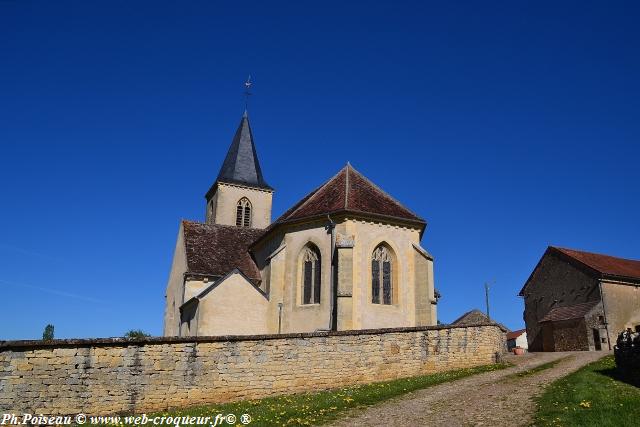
(606, 265)
(596, 265)
(575, 311)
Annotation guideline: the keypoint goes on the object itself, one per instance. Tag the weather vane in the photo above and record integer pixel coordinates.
(247, 92)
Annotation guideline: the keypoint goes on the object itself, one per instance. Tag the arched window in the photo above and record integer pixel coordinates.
(382, 276)
(310, 263)
(243, 213)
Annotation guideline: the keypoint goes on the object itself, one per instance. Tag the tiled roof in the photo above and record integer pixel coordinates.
(241, 165)
(214, 250)
(349, 191)
(604, 264)
(515, 334)
(569, 312)
(596, 265)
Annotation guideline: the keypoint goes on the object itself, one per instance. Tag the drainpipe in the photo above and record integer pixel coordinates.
(184, 284)
(279, 317)
(333, 314)
(604, 314)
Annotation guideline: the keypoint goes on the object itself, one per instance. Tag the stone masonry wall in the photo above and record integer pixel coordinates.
(115, 376)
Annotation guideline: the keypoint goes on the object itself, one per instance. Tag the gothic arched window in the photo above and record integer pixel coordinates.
(311, 274)
(382, 276)
(243, 213)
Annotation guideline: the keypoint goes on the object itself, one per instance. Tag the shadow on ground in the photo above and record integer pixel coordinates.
(619, 375)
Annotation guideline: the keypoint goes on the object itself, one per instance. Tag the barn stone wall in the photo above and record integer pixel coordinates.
(115, 376)
(554, 283)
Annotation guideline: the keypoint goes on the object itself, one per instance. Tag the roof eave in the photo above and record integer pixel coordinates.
(262, 187)
(615, 277)
(420, 223)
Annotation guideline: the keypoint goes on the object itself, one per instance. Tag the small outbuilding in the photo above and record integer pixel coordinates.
(517, 339)
(476, 317)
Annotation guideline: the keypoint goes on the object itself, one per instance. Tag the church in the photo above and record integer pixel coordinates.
(347, 256)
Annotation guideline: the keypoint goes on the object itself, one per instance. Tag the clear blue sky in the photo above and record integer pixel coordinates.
(508, 127)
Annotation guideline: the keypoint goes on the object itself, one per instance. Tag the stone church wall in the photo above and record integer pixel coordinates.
(109, 376)
(226, 202)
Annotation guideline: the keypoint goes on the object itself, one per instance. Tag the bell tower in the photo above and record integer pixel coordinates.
(240, 196)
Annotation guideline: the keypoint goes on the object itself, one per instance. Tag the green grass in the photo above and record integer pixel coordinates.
(537, 369)
(324, 406)
(592, 396)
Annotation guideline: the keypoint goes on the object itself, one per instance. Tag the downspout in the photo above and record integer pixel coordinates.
(197, 317)
(184, 284)
(333, 313)
(604, 314)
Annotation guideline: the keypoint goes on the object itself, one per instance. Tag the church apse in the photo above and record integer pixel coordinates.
(347, 256)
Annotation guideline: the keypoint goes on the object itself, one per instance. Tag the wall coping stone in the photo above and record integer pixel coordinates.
(119, 342)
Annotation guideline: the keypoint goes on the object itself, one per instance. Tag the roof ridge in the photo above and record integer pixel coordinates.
(468, 313)
(346, 187)
(313, 194)
(393, 199)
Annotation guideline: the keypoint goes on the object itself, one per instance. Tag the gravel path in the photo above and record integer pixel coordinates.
(489, 399)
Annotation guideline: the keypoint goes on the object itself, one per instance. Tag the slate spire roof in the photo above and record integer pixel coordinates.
(241, 165)
(349, 191)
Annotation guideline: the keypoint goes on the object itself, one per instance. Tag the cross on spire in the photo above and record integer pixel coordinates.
(247, 93)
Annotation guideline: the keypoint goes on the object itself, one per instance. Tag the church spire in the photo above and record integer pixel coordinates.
(240, 196)
(241, 165)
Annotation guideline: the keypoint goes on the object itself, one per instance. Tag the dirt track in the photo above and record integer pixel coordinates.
(490, 399)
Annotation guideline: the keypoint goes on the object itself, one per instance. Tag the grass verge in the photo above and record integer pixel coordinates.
(537, 369)
(324, 406)
(592, 396)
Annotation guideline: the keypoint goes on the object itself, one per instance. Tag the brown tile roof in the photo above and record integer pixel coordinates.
(604, 264)
(214, 250)
(569, 312)
(348, 191)
(597, 265)
(515, 334)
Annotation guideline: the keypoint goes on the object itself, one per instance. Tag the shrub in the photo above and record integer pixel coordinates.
(136, 333)
(47, 335)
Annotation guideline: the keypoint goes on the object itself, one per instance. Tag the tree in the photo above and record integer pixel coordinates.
(136, 333)
(47, 335)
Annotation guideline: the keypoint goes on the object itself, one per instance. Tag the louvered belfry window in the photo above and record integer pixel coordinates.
(243, 213)
(381, 276)
(311, 275)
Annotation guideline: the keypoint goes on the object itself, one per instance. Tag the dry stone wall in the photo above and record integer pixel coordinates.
(116, 376)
